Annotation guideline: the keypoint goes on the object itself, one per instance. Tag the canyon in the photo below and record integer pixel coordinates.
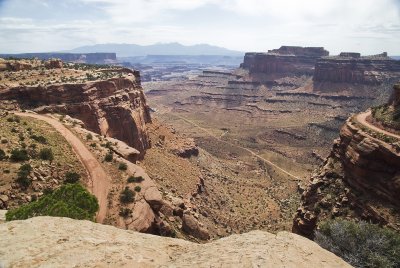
(222, 150)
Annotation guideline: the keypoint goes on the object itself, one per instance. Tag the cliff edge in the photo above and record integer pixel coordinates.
(63, 242)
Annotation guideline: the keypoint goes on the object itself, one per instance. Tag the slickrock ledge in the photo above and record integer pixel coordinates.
(63, 242)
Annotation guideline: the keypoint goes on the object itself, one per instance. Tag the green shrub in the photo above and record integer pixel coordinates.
(4, 141)
(123, 166)
(125, 212)
(138, 188)
(18, 155)
(89, 136)
(360, 244)
(39, 139)
(70, 200)
(135, 179)
(22, 177)
(127, 196)
(72, 177)
(2, 155)
(46, 154)
(108, 157)
(94, 145)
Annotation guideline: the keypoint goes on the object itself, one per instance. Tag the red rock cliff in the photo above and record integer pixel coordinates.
(352, 68)
(115, 107)
(286, 59)
(360, 179)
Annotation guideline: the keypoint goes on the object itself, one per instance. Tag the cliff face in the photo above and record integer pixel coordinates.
(360, 179)
(351, 68)
(287, 59)
(52, 242)
(115, 107)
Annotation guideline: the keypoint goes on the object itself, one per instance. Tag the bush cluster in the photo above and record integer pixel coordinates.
(22, 177)
(123, 166)
(19, 155)
(135, 179)
(46, 154)
(70, 200)
(72, 177)
(108, 157)
(360, 244)
(127, 196)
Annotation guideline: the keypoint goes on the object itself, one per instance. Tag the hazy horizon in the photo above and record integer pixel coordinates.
(369, 26)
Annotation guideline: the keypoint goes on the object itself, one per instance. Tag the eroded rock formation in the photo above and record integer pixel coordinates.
(352, 68)
(52, 242)
(360, 179)
(286, 59)
(115, 107)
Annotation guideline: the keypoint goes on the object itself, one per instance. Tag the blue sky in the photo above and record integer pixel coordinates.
(366, 26)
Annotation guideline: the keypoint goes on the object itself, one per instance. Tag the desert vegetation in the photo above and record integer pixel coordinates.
(70, 200)
(361, 244)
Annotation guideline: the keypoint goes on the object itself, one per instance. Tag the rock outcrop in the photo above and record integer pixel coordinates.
(352, 68)
(62, 242)
(359, 180)
(286, 59)
(115, 107)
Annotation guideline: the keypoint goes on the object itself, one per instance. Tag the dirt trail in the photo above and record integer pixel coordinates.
(362, 119)
(99, 179)
(235, 145)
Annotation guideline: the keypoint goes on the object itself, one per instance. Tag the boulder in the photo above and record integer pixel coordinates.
(192, 227)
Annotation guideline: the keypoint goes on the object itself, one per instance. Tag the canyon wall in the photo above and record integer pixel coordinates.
(352, 68)
(115, 107)
(286, 59)
(359, 180)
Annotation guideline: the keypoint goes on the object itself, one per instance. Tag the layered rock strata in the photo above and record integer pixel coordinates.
(359, 180)
(352, 68)
(115, 107)
(287, 59)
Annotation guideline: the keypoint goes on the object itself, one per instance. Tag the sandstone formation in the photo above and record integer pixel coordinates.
(360, 179)
(62, 242)
(352, 68)
(286, 59)
(114, 107)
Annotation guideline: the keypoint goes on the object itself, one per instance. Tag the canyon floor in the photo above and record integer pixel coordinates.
(259, 144)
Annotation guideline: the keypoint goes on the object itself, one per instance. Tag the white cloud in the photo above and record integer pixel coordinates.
(368, 26)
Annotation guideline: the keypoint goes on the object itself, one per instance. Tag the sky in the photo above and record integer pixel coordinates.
(366, 26)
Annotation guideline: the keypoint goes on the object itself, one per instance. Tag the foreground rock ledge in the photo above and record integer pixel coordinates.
(63, 242)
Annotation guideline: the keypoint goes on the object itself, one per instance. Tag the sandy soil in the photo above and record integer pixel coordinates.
(99, 180)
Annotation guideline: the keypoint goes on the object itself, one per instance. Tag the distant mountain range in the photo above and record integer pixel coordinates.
(133, 50)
